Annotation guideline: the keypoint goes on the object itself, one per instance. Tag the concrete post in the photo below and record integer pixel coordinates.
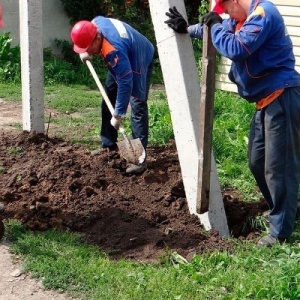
(181, 80)
(31, 38)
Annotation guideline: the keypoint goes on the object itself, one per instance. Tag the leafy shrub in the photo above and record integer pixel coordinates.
(10, 69)
(57, 70)
(70, 69)
(67, 70)
(82, 74)
(83, 10)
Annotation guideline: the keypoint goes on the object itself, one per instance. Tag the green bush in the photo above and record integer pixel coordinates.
(56, 70)
(66, 70)
(69, 69)
(84, 10)
(10, 69)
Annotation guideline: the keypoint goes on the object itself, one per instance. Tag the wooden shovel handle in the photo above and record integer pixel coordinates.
(100, 87)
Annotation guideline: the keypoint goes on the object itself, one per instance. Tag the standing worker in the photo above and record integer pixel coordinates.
(129, 58)
(255, 39)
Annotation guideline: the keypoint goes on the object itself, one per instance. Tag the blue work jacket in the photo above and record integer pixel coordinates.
(127, 54)
(260, 49)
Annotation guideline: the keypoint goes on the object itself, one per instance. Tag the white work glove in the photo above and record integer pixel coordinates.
(115, 121)
(85, 56)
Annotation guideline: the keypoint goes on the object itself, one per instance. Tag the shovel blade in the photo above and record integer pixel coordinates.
(131, 150)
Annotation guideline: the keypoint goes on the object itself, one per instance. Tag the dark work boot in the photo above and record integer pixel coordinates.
(136, 169)
(269, 241)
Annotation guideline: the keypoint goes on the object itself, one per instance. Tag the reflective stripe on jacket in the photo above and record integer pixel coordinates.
(127, 54)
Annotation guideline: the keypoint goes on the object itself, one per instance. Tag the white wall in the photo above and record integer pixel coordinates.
(55, 22)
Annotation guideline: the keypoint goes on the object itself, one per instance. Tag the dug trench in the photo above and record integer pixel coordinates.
(47, 183)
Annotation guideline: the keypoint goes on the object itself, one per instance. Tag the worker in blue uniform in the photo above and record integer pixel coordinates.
(129, 58)
(255, 39)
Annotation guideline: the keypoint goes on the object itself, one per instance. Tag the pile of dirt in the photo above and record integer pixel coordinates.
(48, 183)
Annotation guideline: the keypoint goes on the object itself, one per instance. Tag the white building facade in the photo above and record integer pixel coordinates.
(56, 23)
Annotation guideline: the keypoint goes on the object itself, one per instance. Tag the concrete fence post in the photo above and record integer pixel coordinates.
(182, 85)
(31, 38)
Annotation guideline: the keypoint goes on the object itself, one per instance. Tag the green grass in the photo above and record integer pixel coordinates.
(75, 98)
(14, 150)
(232, 117)
(160, 125)
(75, 113)
(67, 264)
(10, 92)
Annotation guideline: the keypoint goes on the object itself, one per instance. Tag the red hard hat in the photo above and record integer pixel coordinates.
(82, 35)
(218, 8)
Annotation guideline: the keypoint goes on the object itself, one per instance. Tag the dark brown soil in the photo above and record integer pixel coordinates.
(48, 183)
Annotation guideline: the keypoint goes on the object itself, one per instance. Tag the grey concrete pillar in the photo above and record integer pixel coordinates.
(31, 40)
(181, 80)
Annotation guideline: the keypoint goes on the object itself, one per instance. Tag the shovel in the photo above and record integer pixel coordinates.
(132, 150)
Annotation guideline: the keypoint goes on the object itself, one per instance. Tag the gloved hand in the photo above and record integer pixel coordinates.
(211, 18)
(176, 21)
(85, 56)
(115, 121)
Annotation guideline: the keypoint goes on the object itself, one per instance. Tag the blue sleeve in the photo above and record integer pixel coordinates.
(238, 45)
(196, 31)
(121, 68)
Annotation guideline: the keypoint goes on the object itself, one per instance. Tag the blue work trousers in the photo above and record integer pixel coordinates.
(139, 114)
(274, 158)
